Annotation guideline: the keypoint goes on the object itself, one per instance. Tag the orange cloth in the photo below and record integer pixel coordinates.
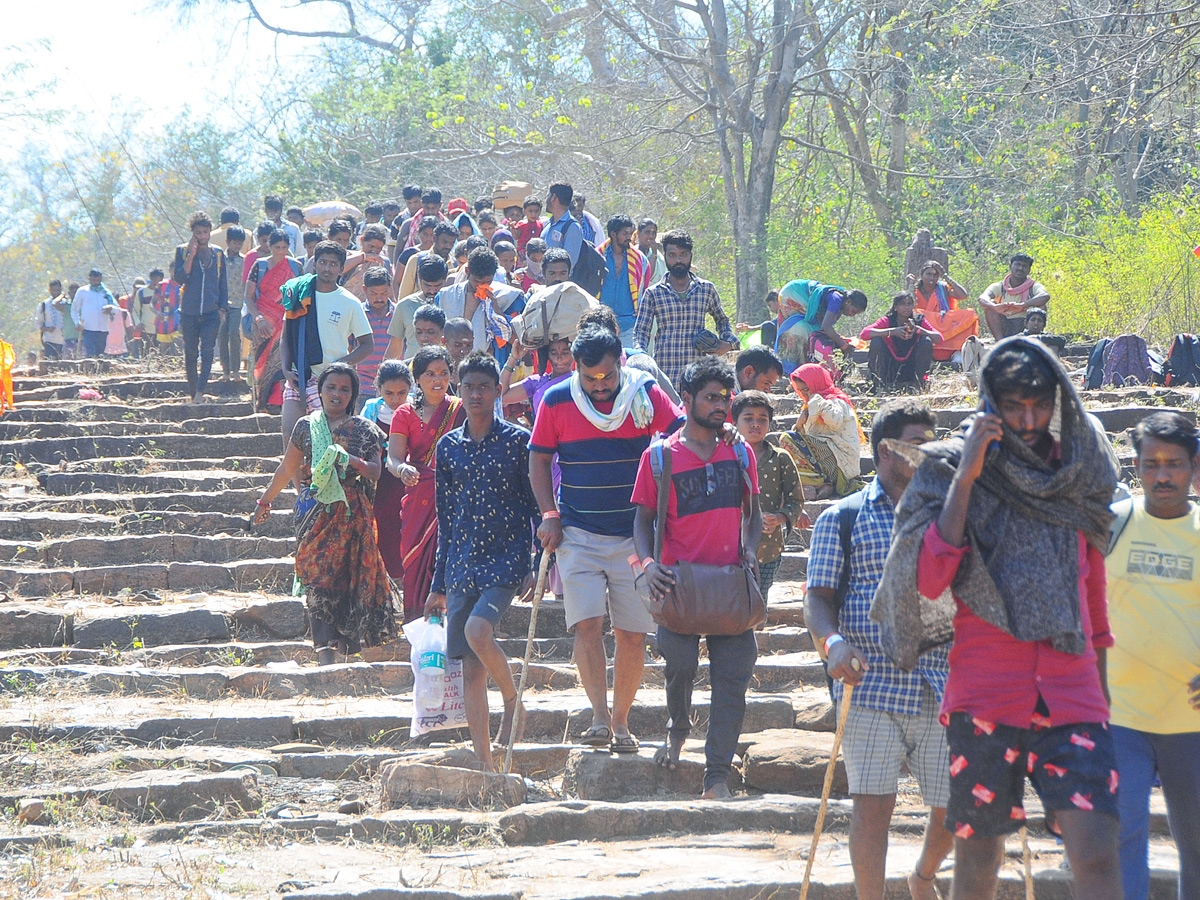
(956, 325)
(8, 358)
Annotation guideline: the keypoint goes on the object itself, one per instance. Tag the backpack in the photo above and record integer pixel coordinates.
(1093, 377)
(552, 313)
(1127, 361)
(588, 271)
(1123, 510)
(1183, 361)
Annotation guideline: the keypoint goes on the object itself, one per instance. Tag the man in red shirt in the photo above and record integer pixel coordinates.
(710, 519)
(1013, 519)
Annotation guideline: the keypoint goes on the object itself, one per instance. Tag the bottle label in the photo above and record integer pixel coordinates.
(433, 660)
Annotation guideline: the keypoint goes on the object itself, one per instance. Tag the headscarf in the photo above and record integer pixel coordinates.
(1022, 572)
(820, 381)
(458, 222)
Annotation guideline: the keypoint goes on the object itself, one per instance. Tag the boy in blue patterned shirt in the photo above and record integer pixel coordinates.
(486, 517)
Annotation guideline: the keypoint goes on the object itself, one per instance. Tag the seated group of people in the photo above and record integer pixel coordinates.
(924, 324)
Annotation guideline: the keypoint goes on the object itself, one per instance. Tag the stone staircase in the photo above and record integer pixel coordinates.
(166, 733)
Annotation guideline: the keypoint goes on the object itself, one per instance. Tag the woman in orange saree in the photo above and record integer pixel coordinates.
(937, 296)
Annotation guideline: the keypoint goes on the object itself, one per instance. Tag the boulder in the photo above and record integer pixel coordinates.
(282, 619)
(600, 775)
(151, 628)
(178, 796)
(417, 784)
(20, 628)
(789, 761)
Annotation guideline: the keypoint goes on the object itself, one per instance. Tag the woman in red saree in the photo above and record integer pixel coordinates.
(416, 429)
(263, 284)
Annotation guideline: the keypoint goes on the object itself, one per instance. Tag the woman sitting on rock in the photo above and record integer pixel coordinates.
(826, 440)
(338, 457)
(937, 297)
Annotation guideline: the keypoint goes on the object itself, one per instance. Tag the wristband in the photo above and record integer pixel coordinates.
(259, 502)
(647, 561)
(552, 514)
(831, 641)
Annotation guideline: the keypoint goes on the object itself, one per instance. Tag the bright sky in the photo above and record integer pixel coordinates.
(118, 55)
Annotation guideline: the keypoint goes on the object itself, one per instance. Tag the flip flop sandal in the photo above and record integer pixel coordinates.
(288, 811)
(597, 736)
(624, 743)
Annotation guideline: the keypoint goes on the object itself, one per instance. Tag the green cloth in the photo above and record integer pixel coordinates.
(329, 462)
(293, 292)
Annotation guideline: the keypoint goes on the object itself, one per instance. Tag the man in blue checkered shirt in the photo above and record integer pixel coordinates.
(893, 715)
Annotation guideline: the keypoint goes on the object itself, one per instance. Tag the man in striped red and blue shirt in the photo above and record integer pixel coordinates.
(599, 422)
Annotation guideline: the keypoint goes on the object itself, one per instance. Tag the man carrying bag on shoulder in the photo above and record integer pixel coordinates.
(699, 563)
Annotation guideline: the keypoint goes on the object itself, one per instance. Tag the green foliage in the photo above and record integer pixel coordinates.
(1126, 274)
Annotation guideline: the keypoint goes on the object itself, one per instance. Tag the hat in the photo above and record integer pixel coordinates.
(457, 205)
(96, 272)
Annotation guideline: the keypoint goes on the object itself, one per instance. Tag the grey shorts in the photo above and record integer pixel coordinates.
(877, 743)
(596, 578)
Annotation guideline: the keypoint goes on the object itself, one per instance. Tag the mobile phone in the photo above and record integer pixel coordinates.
(988, 408)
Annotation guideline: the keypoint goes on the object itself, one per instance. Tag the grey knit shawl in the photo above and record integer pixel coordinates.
(1021, 573)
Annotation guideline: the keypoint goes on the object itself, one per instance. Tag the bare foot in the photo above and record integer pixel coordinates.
(719, 791)
(506, 722)
(922, 889)
(667, 755)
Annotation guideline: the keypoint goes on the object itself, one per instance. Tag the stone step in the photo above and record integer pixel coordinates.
(87, 411)
(107, 503)
(257, 424)
(130, 465)
(38, 526)
(25, 390)
(336, 721)
(244, 575)
(69, 484)
(288, 679)
(228, 654)
(133, 549)
(162, 446)
(155, 796)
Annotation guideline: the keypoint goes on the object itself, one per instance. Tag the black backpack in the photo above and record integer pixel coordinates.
(1093, 379)
(588, 271)
(1183, 361)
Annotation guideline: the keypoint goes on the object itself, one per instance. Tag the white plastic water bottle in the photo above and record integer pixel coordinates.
(431, 662)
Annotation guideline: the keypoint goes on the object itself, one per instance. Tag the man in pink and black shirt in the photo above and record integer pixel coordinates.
(1012, 519)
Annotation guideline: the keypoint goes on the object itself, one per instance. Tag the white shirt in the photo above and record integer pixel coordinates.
(87, 309)
(339, 316)
(51, 317)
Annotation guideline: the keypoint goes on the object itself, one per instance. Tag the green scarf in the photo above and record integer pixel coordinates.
(329, 461)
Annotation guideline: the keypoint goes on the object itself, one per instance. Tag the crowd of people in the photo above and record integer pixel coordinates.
(1005, 622)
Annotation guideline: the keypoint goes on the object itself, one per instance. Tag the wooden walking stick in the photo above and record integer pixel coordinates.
(533, 614)
(1028, 859)
(843, 711)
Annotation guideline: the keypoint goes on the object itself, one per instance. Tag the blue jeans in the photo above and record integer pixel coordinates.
(199, 342)
(1175, 758)
(94, 342)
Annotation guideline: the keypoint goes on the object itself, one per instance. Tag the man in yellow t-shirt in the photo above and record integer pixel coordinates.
(1154, 669)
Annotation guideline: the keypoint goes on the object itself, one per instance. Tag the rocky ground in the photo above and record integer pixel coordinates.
(166, 732)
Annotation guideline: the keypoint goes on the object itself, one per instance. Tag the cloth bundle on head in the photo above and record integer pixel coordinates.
(1021, 573)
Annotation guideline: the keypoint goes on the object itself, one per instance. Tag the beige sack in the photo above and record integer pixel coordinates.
(552, 314)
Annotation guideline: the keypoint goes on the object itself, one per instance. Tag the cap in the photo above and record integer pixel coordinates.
(94, 271)
(457, 205)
